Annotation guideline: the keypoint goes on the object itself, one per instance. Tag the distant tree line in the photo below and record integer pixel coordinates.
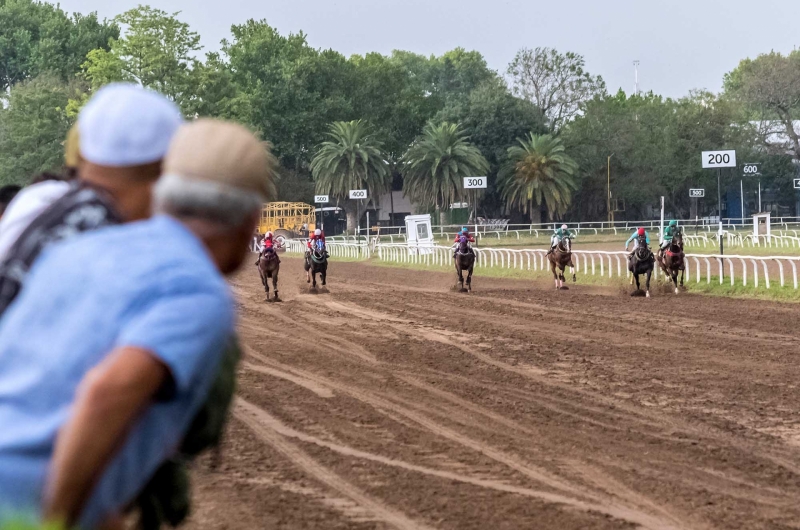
(542, 130)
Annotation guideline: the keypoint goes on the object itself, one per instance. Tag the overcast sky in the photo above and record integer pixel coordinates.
(681, 44)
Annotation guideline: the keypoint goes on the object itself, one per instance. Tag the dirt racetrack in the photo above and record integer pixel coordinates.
(393, 402)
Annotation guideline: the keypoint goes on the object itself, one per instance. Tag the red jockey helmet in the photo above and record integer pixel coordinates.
(640, 231)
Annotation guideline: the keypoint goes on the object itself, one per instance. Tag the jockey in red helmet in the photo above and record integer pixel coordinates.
(267, 246)
(636, 237)
(318, 236)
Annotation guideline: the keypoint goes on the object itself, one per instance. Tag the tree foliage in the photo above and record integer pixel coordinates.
(33, 127)
(556, 83)
(156, 50)
(37, 37)
(351, 159)
(769, 87)
(435, 165)
(539, 171)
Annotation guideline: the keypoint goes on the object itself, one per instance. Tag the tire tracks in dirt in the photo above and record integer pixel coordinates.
(250, 414)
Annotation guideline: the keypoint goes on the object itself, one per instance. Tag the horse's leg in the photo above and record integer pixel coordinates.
(324, 273)
(649, 273)
(314, 278)
(469, 278)
(674, 276)
(266, 284)
(459, 275)
(275, 280)
(683, 271)
(636, 277)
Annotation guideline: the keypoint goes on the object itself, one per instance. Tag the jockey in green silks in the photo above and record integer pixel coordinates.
(560, 234)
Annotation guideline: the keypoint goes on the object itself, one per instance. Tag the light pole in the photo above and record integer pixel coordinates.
(608, 196)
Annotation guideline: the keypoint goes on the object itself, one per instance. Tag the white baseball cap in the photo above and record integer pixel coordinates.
(126, 125)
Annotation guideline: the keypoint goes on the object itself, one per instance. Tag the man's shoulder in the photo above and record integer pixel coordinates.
(156, 249)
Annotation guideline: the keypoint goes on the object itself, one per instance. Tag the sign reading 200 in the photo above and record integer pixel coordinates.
(713, 159)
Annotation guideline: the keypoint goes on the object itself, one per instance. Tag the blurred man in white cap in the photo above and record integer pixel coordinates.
(110, 349)
(124, 133)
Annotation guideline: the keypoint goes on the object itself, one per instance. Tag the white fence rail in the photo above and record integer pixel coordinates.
(732, 269)
(335, 249)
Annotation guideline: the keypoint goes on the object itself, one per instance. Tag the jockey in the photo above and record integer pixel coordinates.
(465, 233)
(669, 232)
(561, 233)
(641, 232)
(637, 235)
(267, 245)
(318, 239)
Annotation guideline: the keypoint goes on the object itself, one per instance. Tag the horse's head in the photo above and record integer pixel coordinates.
(677, 241)
(463, 244)
(565, 244)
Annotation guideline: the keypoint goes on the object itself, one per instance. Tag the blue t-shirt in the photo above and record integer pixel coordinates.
(149, 284)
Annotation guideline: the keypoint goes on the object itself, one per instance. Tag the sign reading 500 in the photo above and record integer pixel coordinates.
(358, 194)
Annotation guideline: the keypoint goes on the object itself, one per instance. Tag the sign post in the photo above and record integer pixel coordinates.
(718, 160)
(321, 199)
(358, 195)
(694, 194)
(796, 184)
(751, 169)
(475, 183)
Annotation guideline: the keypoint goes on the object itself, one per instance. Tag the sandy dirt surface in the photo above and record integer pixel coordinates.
(393, 402)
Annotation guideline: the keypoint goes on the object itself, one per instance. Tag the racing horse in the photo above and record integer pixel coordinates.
(464, 259)
(671, 260)
(268, 267)
(560, 258)
(316, 263)
(642, 261)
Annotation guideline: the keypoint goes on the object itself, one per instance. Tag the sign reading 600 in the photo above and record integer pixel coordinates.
(358, 194)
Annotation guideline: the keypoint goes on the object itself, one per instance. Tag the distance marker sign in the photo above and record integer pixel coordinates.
(321, 199)
(697, 193)
(715, 159)
(358, 194)
(797, 184)
(751, 169)
(471, 183)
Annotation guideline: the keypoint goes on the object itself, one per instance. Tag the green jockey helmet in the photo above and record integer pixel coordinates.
(673, 223)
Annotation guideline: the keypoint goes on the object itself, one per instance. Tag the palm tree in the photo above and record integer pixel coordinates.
(350, 159)
(435, 165)
(538, 170)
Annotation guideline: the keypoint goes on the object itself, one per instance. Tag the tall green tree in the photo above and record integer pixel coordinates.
(33, 127)
(157, 51)
(539, 171)
(493, 119)
(435, 165)
(769, 88)
(350, 159)
(39, 37)
(555, 82)
(290, 93)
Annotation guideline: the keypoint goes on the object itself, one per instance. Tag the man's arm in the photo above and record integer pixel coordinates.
(108, 402)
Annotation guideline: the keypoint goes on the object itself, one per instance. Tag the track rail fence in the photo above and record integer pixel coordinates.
(732, 269)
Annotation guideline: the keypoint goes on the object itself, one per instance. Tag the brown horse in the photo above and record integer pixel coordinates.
(269, 264)
(560, 258)
(671, 260)
(464, 259)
